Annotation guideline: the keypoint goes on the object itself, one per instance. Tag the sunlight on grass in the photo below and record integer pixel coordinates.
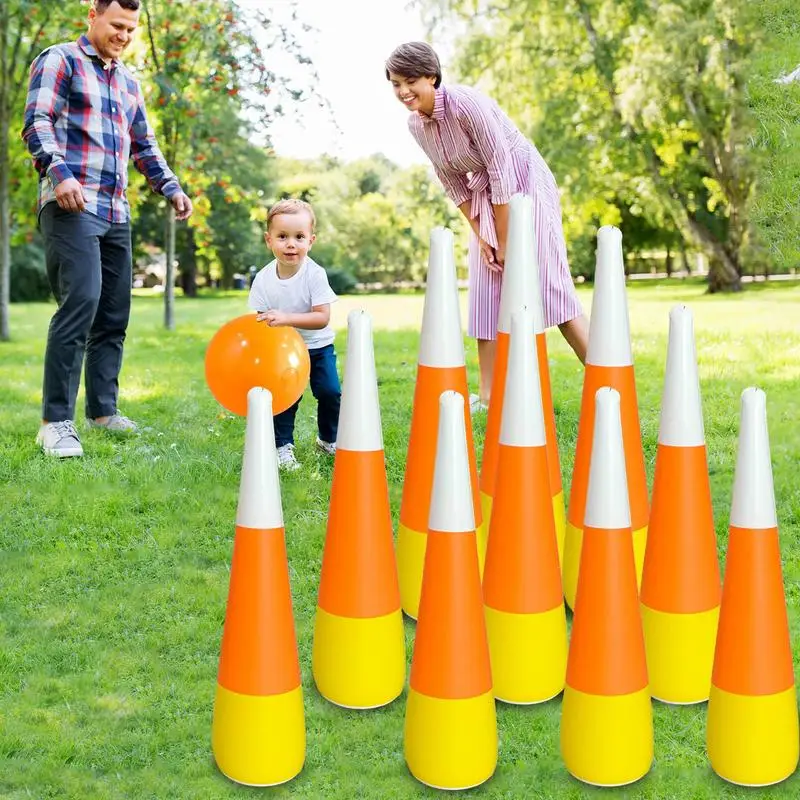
(117, 565)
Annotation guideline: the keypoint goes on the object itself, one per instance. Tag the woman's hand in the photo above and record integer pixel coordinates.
(500, 256)
(489, 256)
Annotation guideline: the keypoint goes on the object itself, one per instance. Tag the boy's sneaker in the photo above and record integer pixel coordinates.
(116, 423)
(60, 439)
(286, 458)
(327, 447)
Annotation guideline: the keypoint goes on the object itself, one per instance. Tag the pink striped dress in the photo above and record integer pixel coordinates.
(480, 156)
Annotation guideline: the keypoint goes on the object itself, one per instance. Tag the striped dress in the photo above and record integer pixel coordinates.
(480, 156)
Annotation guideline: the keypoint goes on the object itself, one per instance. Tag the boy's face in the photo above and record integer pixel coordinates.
(290, 237)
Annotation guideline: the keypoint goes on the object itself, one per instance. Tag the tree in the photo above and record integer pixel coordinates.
(207, 63)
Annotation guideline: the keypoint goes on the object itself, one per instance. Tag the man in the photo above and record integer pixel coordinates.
(84, 119)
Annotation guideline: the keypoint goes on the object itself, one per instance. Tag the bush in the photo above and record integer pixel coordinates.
(28, 274)
(341, 281)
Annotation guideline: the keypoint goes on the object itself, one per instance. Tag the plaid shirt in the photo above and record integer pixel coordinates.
(84, 119)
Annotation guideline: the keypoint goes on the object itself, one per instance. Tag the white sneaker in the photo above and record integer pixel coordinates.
(326, 447)
(286, 458)
(116, 423)
(60, 439)
(475, 404)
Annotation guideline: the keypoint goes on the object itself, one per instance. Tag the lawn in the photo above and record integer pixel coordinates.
(115, 566)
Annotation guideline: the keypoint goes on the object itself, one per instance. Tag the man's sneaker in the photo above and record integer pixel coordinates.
(286, 459)
(475, 404)
(116, 423)
(327, 447)
(60, 439)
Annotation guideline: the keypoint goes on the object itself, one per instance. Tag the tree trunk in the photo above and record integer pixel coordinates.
(169, 274)
(668, 262)
(5, 227)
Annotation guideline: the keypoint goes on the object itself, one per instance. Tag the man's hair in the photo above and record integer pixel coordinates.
(415, 60)
(101, 5)
(292, 206)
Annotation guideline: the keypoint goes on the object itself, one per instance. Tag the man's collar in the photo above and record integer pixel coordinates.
(90, 51)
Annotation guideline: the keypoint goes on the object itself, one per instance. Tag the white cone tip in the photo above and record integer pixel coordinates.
(609, 327)
(522, 423)
(607, 503)
(441, 338)
(521, 272)
(451, 496)
(753, 503)
(259, 488)
(681, 405)
(360, 412)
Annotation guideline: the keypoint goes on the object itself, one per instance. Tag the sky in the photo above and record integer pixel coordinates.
(352, 40)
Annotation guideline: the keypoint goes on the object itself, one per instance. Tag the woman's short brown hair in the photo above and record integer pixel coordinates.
(415, 60)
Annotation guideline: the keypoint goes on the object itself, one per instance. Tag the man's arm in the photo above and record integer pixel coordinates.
(149, 160)
(48, 92)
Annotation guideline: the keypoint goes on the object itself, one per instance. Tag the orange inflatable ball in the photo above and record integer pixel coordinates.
(245, 353)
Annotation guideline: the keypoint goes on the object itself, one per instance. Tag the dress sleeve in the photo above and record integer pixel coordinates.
(454, 184)
(483, 122)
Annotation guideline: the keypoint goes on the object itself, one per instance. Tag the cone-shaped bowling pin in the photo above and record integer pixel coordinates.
(752, 727)
(525, 617)
(258, 732)
(609, 362)
(441, 367)
(606, 717)
(521, 290)
(359, 655)
(450, 736)
(680, 581)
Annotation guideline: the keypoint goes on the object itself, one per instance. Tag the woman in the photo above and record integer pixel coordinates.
(482, 160)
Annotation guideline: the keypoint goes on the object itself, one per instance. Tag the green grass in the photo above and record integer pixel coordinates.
(775, 109)
(115, 566)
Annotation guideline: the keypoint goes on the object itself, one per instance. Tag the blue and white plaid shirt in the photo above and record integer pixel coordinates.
(84, 119)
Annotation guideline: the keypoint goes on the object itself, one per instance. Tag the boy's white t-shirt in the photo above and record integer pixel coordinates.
(308, 287)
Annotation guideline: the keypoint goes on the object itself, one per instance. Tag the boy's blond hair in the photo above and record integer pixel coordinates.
(292, 206)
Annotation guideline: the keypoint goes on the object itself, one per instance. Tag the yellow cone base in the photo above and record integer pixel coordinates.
(559, 513)
(359, 662)
(411, 561)
(607, 740)
(259, 741)
(680, 654)
(528, 654)
(572, 559)
(752, 740)
(450, 744)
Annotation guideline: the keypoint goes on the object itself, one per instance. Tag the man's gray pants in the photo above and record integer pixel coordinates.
(90, 273)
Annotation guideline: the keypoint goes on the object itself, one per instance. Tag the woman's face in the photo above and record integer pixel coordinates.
(416, 94)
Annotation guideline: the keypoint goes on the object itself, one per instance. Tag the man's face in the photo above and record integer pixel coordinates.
(111, 31)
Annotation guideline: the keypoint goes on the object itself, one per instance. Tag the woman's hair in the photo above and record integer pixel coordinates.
(292, 206)
(415, 60)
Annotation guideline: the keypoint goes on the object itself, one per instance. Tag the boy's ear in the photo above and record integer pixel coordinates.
(312, 240)
(266, 238)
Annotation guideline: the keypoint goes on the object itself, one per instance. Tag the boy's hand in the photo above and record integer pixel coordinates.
(273, 318)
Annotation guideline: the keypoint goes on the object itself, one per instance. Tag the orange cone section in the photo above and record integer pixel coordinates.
(258, 730)
(681, 589)
(609, 362)
(752, 728)
(359, 655)
(450, 736)
(525, 616)
(521, 290)
(606, 719)
(441, 367)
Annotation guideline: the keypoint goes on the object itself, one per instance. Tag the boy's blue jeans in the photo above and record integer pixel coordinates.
(326, 388)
